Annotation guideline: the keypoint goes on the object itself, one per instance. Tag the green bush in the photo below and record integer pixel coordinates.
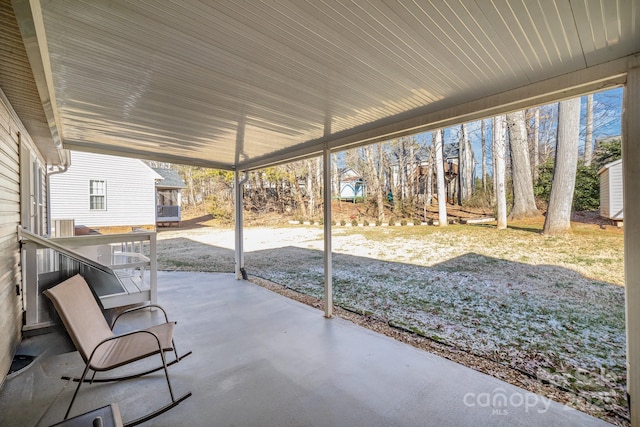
(354, 222)
(343, 222)
(417, 221)
(392, 221)
(586, 195)
(607, 152)
(403, 222)
(542, 187)
(365, 223)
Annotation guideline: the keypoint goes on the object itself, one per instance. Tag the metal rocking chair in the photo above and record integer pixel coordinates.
(101, 349)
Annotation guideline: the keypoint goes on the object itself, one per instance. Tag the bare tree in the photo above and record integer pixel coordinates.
(311, 200)
(465, 165)
(429, 185)
(536, 143)
(372, 173)
(335, 175)
(588, 138)
(499, 158)
(442, 191)
(524, 202)
(483, 143)
(293, 176)
(558, 218)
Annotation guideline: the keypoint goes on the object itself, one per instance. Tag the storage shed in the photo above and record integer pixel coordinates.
(611, 203)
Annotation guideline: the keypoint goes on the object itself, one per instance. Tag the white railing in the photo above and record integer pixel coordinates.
(168, 213)
(121, 268)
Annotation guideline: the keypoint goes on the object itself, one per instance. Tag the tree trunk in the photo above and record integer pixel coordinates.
(442, 191)
(335, 176)
(536, 142)
(558, 218)
(372, 171)
(462, 167)
(429, 186)
(320, 185)
(588, 139)
(484, 156)
(297, 193)
(524, 202)
(470, 163)
(310, 189)
(499, 158)
(382, 177)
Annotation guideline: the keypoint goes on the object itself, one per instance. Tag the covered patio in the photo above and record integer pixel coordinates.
(244, 86)
(260, 359)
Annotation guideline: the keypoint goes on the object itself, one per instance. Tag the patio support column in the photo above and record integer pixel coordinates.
(238, 224)
(328, 284)
(631, 189)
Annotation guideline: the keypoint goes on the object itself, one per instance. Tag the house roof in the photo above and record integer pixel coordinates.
(170, 178)
(242, 85)
(609, 166)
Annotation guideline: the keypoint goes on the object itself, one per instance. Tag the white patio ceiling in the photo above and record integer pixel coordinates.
(239, 85)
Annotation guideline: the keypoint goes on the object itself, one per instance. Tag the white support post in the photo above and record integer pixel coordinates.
(631, 188)
(153, 268)
(238, 226)
(328, 284)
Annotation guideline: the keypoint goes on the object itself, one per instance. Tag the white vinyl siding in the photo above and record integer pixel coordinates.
(10, 272)
(129, 191)
(97, 195)
(611, 197)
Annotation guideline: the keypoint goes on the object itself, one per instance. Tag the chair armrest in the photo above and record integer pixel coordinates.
(131, 310)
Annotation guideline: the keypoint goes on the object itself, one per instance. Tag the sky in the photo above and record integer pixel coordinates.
(607, 106)
(607, 115)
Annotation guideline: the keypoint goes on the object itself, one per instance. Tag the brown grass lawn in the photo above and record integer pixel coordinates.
(548, 308)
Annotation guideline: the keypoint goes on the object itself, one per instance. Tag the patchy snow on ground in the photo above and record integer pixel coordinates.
(506, 301)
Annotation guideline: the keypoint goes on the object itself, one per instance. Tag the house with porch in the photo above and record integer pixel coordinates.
(96, 194)
(168, 196)
(352, 186)
(241, 87)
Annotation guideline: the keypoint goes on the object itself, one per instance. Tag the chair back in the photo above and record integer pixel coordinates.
(80, 313)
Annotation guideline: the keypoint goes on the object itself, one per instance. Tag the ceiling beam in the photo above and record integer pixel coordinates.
(31, 23)
(436, 116)
(142, 154)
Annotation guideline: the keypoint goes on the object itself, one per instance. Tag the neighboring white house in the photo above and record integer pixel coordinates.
(169, 196)
(611, 202)
(105, 193)
(352, 185)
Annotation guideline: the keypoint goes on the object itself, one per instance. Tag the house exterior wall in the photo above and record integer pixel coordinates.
(605, 195)
(10, 272)
(129, 192)
(611, 191)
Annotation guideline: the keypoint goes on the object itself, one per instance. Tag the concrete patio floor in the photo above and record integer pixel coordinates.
(260, 359)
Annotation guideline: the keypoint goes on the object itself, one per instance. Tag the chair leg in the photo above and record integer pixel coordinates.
(166, 374)
(75, 394)
(175, 352)
(174, 401)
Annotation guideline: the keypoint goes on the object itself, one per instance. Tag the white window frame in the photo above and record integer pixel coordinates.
(96, 192)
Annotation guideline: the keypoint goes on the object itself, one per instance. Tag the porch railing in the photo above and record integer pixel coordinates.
(168, 213)
(121, 269)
